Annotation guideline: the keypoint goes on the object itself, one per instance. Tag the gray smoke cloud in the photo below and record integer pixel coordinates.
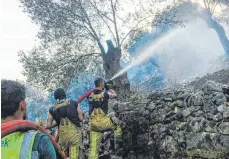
(191, 52)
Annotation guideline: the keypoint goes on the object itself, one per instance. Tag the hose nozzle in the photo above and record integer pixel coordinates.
(109, 84)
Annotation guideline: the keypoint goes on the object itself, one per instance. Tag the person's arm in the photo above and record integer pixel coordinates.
(50, 123)
(80, 113)
(111, 93)
(54, 124)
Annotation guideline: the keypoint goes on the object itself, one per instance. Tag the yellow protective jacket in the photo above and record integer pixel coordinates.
(18, 145)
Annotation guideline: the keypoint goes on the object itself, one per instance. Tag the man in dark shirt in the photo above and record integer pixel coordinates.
(13, 107)
(99, 122)
(68, 117)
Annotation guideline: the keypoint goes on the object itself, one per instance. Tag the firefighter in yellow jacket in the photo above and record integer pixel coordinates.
(99, 122)
(68, 117)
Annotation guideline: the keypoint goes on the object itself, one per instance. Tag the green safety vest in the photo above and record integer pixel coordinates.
(18, 145)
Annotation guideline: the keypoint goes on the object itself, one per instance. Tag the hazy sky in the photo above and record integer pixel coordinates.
(17, 32)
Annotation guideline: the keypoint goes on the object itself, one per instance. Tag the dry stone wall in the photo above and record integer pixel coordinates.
(179, 123)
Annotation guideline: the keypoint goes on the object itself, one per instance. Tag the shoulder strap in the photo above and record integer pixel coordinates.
(97, 96)
(96, 100)
(27, 144)
(65, 103)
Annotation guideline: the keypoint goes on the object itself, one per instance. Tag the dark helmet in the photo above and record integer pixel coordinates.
(59, 93)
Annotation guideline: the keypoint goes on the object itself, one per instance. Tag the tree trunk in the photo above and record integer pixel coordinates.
(219, 30)
(111, 65)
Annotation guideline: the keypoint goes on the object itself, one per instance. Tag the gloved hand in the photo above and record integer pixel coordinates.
(108, 85)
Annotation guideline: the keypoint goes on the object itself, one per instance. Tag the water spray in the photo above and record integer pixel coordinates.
(145, 53)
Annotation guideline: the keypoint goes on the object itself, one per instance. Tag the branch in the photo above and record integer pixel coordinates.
(115, 24)
(79, 58)
(99, 13)
(101, 49)
(132, 29)
(205, 4)
(90, 32)
(116, 1)
(89, 22)
(68, 11)
(73, 22)
(214, 6)
(208, 4)
(80, 25)
(121, 19)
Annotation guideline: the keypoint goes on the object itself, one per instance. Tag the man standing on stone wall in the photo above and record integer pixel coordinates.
(99, 122)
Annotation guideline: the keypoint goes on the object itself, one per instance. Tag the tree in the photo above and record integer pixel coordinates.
(70, 30)
(189, 10)
(60, 69)
(208, 16)
(182, 13)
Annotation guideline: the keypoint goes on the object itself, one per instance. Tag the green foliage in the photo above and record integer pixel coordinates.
(58, 70)
(69, 32)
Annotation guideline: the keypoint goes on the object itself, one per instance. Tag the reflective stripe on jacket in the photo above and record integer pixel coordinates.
(19, 145)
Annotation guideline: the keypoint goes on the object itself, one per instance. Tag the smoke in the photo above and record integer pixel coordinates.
(191, 52)
(182, 54)
(37, 103)
(145, 53)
